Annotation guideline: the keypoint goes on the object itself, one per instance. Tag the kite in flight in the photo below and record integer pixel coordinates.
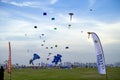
(71, 14)
(35, 56)
(57, 58)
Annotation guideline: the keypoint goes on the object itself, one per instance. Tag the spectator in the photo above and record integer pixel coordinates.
(1, 73)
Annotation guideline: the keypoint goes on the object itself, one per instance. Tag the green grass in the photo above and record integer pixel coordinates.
(63, 74)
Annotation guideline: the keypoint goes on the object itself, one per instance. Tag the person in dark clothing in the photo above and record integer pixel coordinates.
(1, 73)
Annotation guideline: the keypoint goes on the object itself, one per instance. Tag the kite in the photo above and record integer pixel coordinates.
(44, 13)
(48, 58)
(35, 56)
(66, 47)
(31, 62)
(55, 28)
(81, 31)
(57, 58)
(99, 53)
(46, 47)
(49, 54)
(43, 40)
(53, 18)
(91, 10)
(69, 26)
(42, 44)
(42, 34)
(35, 26)
(56, 45)
(51, 47)
(71, 14)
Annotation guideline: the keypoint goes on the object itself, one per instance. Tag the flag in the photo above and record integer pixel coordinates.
(99, 53)
(9, 59)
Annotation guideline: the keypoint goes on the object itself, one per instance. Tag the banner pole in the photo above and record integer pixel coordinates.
(10, 76)
(9, 61)
(106, 74)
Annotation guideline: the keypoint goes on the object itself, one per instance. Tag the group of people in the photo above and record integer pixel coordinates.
(1, 73)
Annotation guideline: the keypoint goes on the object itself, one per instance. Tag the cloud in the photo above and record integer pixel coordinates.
(30, 3)
(78, 25)
(26, 4)
(91, 2)
(43, 5)
(73, 38)
(53, 1)
(22, 4)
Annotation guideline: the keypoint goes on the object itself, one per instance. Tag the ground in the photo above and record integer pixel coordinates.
(63, 74)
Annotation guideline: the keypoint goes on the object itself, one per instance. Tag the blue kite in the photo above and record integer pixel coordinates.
(57, 58)
(35, 56)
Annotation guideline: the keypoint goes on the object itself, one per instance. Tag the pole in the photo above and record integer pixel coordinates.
(10, 76)
(9, 61)
(106, 76)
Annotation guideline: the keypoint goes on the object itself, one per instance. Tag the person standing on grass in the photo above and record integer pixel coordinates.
(1, 73)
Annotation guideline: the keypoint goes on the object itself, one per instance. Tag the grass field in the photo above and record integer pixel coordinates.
(63, 74)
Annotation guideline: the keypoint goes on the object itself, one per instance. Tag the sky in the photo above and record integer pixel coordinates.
(18, 18)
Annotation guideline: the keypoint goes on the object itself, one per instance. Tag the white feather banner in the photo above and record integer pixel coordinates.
(99, 53)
